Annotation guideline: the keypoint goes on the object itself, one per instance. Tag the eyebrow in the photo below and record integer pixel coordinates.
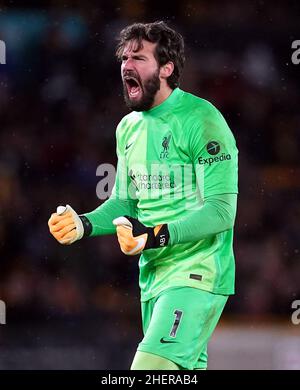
(135, 56)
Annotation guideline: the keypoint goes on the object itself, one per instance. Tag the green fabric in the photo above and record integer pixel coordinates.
(178, 164)
(178, 324)
(172, 159)
(101, 218)
(148, 361)
(216, 215)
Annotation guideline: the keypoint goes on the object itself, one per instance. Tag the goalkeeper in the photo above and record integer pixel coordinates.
(173, 202)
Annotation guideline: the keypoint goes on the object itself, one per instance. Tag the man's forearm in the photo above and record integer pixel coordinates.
(216, 216)
(101, 218)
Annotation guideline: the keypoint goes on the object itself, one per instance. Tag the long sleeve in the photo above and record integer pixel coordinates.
(215, 216)
(101, 218)
(215, 157)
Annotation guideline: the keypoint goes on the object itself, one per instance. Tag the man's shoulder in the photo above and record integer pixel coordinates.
(195, 105)
(202, 115)
(130, 118)
(127, 121)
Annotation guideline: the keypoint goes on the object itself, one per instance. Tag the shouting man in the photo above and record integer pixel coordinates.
(173, 202)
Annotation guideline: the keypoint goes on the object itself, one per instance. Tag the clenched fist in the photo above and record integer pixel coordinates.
(65, 225)
(134, 237)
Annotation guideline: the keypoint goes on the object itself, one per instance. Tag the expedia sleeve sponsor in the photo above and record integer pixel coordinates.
(215, 154)
(211, 160)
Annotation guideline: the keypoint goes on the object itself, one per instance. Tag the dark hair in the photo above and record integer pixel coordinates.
(170, 45)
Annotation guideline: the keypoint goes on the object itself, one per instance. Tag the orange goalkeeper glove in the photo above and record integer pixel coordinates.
(134, 237)
(67, 226)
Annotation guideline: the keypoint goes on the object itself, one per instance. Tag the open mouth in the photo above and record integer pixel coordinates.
(133, 86)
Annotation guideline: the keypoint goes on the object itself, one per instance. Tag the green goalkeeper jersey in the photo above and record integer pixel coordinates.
(171, 158)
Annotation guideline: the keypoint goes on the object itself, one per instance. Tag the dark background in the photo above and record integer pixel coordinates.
(60, 102)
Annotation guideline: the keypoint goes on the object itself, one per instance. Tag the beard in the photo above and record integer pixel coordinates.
(149, 89)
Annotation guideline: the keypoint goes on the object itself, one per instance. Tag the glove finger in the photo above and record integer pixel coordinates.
(62, 233)
(62, 224)
(125, 238)
(126, 242)
(69, 238)
(56, 218)
(53, 219)
(132, 245)
(126, 247)
(124, 231)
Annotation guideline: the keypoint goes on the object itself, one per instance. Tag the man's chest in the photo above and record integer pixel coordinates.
(158, 160)
(153, 144)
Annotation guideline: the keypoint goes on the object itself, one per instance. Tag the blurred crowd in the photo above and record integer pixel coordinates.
(60, 102)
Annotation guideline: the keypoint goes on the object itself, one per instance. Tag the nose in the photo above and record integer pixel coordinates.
(128, 64)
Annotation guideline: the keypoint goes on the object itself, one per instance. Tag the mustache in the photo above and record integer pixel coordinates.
(133, 75)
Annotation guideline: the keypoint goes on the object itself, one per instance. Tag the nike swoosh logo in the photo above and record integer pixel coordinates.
(128, 146)
(163, 341)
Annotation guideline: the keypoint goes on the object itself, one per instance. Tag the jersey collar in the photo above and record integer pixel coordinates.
(166, 104)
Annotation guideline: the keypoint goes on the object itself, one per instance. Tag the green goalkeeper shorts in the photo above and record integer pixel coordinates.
(178, 324)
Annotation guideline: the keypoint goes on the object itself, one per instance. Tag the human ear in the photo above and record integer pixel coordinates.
(166, 70)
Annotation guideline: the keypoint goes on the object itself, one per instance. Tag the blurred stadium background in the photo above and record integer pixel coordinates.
(60, 101)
